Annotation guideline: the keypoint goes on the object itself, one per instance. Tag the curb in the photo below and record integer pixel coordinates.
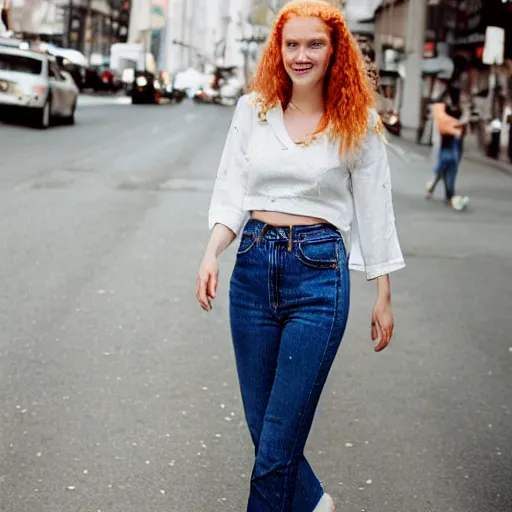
(469, 155)
(499, 165)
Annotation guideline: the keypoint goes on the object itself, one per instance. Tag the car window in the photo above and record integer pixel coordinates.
(54, 71)
(20, 63)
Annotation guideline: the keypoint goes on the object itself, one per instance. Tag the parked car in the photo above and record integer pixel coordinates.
(32, 85)
(146, 88)
(72, 61)
(207, 95)
(169, 90)
(101, 79)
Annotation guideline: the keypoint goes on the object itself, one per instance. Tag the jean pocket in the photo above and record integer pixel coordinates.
(319, 253)
(246, 243)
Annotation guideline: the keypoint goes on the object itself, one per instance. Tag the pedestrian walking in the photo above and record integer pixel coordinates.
(304, 181)
(450, 125)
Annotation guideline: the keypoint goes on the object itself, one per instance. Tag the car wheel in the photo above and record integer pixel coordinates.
(44, 115)
(71, 119)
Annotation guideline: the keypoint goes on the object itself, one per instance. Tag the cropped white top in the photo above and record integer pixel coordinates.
(263, 169)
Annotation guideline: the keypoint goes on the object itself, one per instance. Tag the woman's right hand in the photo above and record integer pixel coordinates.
(207, 279)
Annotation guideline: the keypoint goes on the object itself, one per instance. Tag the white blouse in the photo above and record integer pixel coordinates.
(263, 169)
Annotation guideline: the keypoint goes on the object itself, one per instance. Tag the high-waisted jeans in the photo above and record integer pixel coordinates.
(448, 167)
(289, 302)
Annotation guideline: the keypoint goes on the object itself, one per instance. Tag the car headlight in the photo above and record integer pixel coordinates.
(141, 81)
(156, 84)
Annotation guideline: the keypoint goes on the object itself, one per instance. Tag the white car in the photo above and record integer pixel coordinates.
(32, 83)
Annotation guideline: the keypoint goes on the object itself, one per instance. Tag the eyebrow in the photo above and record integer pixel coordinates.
(318, 37)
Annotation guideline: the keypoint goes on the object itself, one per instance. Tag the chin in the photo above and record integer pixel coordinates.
(309, 80)
(306, 81)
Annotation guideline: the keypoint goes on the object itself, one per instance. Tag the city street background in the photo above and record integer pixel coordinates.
(120, 395)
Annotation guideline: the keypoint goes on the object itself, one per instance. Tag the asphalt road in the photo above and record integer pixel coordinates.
(117, 394)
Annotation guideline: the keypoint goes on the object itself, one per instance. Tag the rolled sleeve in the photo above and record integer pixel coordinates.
(226, 206)
(375, 248)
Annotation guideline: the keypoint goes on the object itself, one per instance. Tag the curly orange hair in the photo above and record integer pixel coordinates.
(348, 94)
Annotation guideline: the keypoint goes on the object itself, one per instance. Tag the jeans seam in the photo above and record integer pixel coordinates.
(338, 285)
(270, 279)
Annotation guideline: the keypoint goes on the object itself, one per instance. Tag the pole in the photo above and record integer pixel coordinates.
(169, 33)
(70, 23)
(148, 34)
(184, 6)
(88, 28)
(111, 33)
(191, 31)
(414, 44)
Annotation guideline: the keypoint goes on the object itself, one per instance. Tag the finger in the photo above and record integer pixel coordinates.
(375, 333)
(198, 290)
(203, 299)
(212, 286)
(384, 339)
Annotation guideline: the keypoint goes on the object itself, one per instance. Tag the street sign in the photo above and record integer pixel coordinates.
(494, 48)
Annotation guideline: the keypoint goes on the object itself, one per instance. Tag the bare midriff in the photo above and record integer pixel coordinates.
(285, 219)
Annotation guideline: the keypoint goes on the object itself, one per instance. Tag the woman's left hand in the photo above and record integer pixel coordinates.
(382, 323)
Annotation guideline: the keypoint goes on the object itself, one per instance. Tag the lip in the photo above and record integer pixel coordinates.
(302, 70)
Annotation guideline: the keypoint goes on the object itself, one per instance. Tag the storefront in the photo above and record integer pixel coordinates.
(90, 26)
(95, 30)
(458, 28)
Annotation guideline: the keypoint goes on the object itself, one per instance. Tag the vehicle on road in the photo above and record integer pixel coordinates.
(207, 95)
(146, 89)
(70, 60)
(173, 95)
(169, 90)
(230, 87)
(32, 85)
(225, 88)
(128, 61)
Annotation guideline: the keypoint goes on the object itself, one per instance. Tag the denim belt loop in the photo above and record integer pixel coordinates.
(263, 231)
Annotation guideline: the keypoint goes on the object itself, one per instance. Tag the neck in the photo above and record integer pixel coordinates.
(309, 100)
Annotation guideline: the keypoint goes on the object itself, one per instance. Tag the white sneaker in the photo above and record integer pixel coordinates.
(428, 186)
(459, 203)
(325, 505)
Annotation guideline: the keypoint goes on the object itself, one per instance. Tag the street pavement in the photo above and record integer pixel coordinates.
(118, 394)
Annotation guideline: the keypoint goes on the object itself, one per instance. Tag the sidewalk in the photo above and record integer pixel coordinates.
(408, 139)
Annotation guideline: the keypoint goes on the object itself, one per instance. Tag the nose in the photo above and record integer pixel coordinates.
(302, 55)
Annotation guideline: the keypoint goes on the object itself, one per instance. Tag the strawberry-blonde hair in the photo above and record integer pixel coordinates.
(348, 95)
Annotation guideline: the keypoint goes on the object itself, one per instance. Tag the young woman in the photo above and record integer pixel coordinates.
(448, 114)
(304, 179)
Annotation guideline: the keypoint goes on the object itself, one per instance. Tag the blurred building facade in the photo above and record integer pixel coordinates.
(90, 26)
(203, 33)
(446, 38)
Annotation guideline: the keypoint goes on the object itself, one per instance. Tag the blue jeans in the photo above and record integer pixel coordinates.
(448, 167)
(289, 302)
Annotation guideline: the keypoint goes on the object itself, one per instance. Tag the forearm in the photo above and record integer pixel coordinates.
(446, 124)
(384, 288)
(220, 240)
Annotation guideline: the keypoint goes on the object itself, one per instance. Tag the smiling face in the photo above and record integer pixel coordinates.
(306, 50)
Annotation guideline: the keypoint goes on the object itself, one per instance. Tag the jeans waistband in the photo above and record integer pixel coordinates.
(312, 232)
